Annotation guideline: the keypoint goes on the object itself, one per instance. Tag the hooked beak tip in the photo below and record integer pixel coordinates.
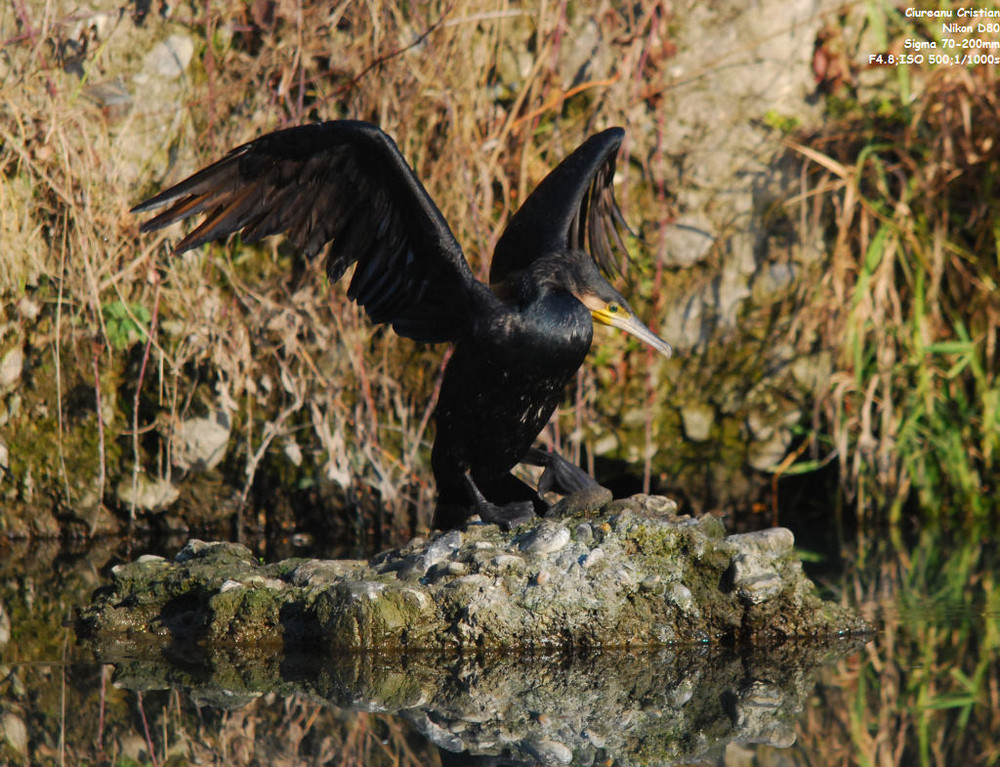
(634, 327)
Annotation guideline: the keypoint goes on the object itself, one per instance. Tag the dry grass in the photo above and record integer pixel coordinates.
(121, 343)
(910, 298)
(482, 97)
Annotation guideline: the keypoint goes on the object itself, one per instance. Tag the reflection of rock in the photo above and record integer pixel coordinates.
(631, 575)
(762, 712)
(577, 594)
(666, 706)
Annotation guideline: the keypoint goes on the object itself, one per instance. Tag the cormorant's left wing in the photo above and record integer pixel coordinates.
(342, 185)
(572, 208)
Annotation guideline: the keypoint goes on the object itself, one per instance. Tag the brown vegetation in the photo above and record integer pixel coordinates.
(482, 103)
(109, 347)
(911, 295)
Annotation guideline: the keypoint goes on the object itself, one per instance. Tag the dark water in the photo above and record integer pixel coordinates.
(922, 690)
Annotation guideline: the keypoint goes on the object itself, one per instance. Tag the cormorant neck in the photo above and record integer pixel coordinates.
(540, 278)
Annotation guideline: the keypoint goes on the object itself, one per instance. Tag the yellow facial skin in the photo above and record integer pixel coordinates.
(617, 315)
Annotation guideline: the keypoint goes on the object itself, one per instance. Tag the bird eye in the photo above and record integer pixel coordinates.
(613, 308)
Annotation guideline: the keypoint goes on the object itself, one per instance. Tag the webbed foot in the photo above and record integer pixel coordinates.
(459, 498)
(559, 475)
(507, 516)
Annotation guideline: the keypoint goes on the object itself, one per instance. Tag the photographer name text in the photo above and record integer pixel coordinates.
(967, 37)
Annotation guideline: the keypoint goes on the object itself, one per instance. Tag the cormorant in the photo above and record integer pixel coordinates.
(345, 186)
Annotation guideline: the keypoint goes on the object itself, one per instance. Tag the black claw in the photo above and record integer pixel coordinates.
(508, 516)
(560, 475)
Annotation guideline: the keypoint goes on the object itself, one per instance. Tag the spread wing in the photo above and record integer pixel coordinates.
(345, 186)
(572, 208)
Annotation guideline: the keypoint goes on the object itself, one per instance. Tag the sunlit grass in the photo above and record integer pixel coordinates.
(480, 103)
(913, 303)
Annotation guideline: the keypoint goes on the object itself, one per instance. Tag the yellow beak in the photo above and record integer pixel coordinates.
(621, 317)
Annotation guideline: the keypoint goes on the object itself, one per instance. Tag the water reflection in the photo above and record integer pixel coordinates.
(924, 690)
(663, 707)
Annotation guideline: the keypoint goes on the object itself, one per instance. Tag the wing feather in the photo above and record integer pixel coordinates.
(343, 186)
(572, 209)
(228, 216)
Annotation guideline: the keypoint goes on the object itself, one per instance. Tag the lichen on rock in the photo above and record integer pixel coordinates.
(630, 573)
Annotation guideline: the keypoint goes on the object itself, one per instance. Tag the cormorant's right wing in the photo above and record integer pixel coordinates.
(572, 209)
(342, 185)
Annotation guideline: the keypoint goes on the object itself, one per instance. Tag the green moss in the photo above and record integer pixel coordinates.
(245, 613)
(61, 462)
(366, 615)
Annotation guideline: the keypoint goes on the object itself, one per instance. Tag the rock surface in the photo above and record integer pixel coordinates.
(631, 574)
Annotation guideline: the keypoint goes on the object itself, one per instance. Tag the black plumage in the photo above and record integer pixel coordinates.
(344, 185)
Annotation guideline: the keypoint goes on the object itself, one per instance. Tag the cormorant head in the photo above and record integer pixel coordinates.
(608, 307)
(577, 273)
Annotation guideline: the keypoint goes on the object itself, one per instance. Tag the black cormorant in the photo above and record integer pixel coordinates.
(344, 185)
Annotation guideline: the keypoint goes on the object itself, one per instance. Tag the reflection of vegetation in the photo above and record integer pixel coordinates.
(102, 724)
(71, 713)
(670, 706)
(926, 691)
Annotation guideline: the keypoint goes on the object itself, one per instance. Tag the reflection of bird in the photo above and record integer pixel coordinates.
(517, 342)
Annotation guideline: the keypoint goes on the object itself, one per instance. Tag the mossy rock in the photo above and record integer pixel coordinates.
(632, 575)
